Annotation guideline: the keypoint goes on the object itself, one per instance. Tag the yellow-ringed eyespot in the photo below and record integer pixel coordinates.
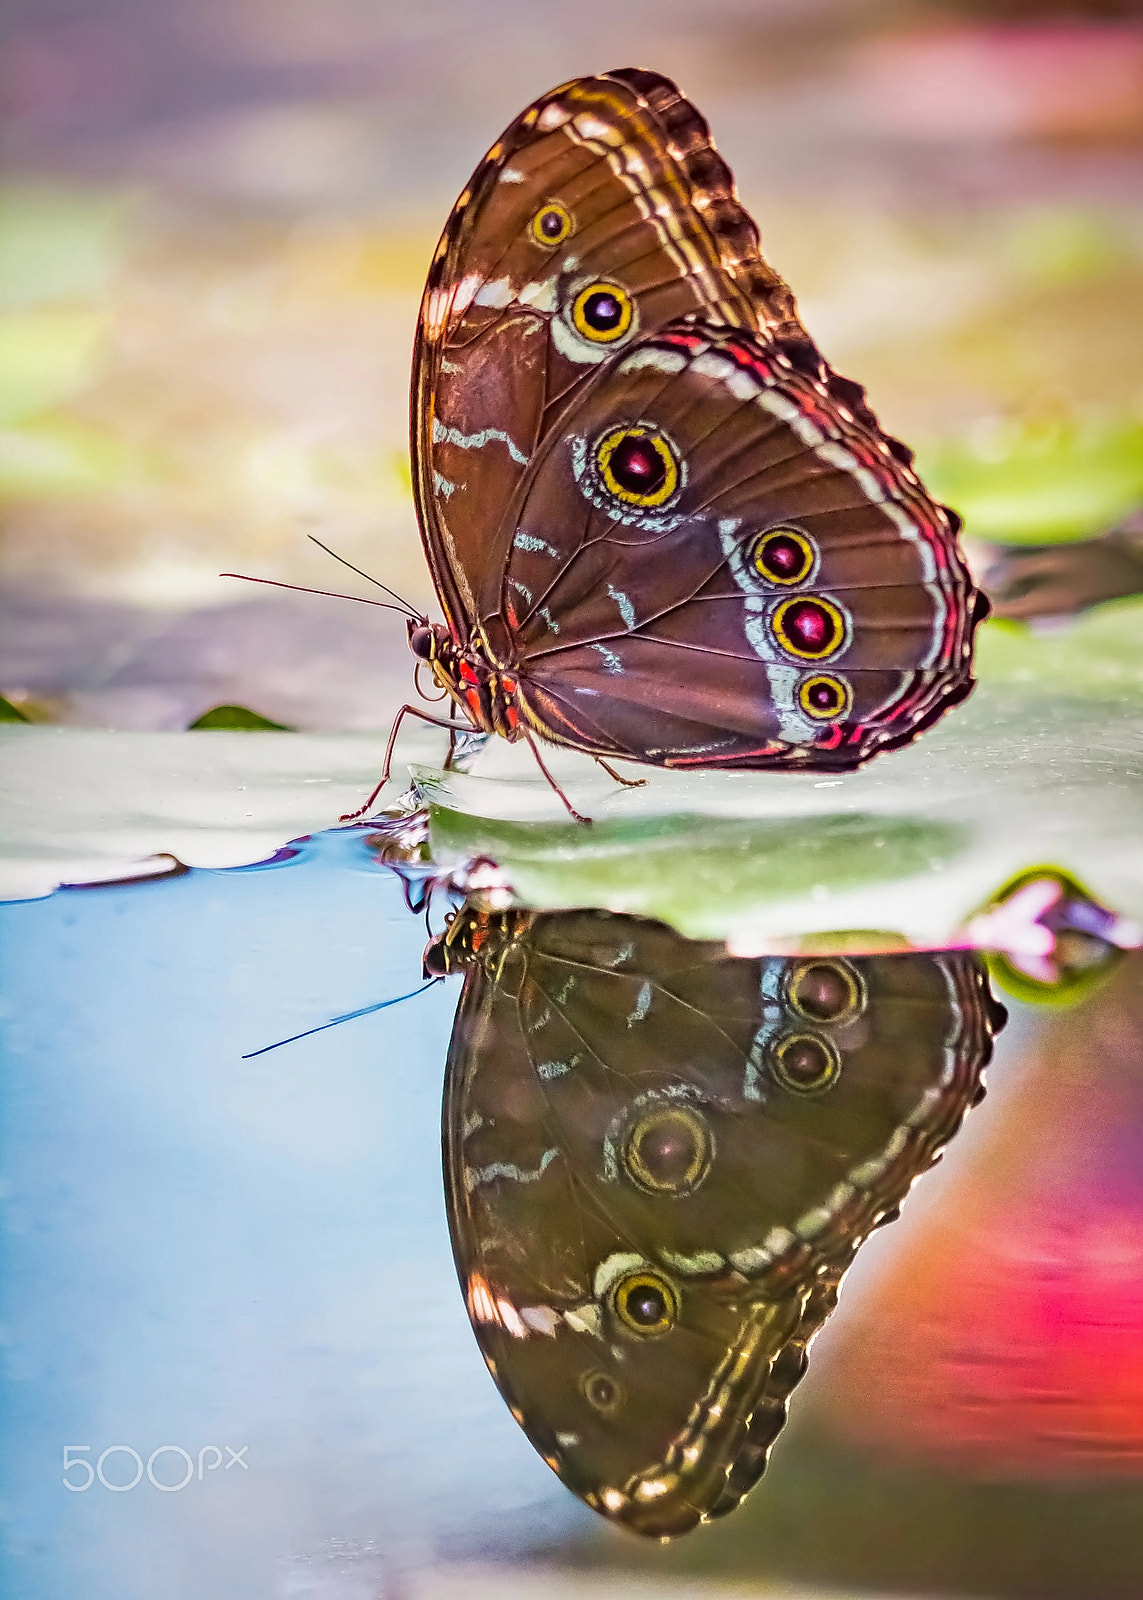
(645, 1304)
(805, 1063)
(638, 466)
(809, 629)
(783, 556)
(603, 312)
(552, 224)
(601, 1391)
(824, 697)
(826, 991)
(669, 1151)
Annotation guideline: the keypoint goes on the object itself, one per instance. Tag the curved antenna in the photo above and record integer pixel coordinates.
(348, 1017)
(384, 586)
(300, 588)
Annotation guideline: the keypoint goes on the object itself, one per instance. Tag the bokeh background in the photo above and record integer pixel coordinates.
(216, 220)
(214, 225)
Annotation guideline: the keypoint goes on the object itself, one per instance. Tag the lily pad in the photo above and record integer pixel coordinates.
(87, 805)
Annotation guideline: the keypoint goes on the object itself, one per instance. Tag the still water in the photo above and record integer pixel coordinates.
(239, 1360)
(211, 1251)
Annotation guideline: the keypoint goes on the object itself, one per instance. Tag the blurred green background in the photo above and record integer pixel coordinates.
(215, 222)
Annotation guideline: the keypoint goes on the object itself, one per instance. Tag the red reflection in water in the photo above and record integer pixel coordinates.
(1007, 1337)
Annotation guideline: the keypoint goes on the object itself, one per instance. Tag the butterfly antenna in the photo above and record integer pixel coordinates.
(413, 612)
(300, 588)
(348, 1017)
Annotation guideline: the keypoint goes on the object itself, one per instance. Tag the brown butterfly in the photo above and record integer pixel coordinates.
(661, 528)
(659, 1162)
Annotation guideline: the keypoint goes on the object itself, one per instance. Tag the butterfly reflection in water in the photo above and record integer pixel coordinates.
(659, 1162)
(660, 526)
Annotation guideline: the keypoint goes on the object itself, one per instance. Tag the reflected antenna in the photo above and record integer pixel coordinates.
(348, 1017)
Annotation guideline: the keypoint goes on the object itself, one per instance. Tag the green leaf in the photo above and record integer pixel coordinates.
(11, 713)
(238, 719)
(1099, 653)
(701, 874)
(1040, 480)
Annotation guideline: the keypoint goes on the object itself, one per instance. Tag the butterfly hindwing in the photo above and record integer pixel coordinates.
(715, 561)
(660, 1160)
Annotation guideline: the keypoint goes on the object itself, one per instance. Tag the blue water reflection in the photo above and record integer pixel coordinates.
(205, 1250)
(234, 1269)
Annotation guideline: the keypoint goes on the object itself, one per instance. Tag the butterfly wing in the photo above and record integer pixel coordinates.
(659, 1162)
(602, 213)
(714, 560)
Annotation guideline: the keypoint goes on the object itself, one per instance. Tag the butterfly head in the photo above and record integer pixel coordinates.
(475, 937)
(427, 639)
(433, 644)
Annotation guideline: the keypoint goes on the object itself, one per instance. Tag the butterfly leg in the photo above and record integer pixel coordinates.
(571, 810)
(405, 711)
(628, 783)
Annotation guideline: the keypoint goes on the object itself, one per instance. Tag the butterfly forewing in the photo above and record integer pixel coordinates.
(578, 233)
(659, 1161)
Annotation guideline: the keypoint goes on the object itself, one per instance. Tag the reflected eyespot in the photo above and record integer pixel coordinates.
(826, 991)
(810, 629)
(669, 1151)
(783, 556)
(552, 224)
(601, 1391)
(603, 312)
(805, 1063)
(638, 466)
(824, 697)
(645, 1304)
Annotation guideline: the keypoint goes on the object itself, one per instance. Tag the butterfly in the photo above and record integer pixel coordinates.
(659, 1162)
(660, 526)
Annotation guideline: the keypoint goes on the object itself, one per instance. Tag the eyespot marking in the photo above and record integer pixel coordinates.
(601, 1391)
(824, 697)
(638, 465)
(805, 1063)
(783, 555)
(810, 629)
(645, 1304)
(551, 225)
(603, 313)
(669, 1150)
(826, 991)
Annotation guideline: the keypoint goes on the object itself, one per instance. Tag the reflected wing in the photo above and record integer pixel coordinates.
(659, 1161)
(715, 561)
(608, 184)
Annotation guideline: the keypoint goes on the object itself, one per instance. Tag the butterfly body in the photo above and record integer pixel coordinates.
(481, 689)
(660, 526)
